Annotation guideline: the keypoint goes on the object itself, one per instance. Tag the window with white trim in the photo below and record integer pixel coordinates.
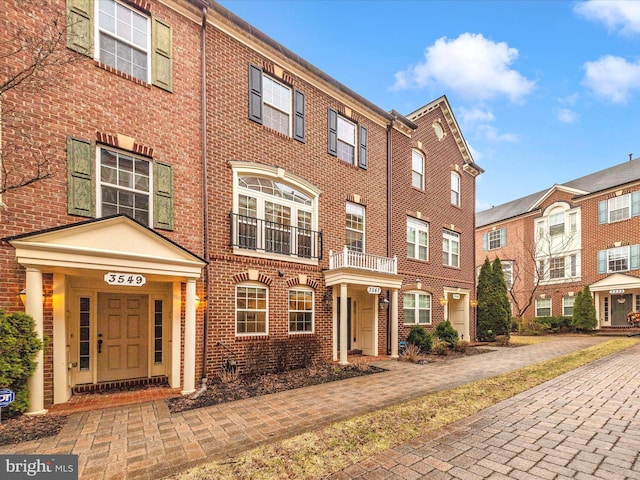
(417, 239)
(124, 39)
(507, 269)
(619, 208)
(354, 234)
(543, 307)
(276, 99)
(450, 248)
(417, 308)
(567, 306)
(251, 310)
(494, 239)
(124, 185)
(556, 268)
(346, 140)
(455, 189)
(618, 259)
(417, 170)
(556, 223)
(274, 217)
(301, 310)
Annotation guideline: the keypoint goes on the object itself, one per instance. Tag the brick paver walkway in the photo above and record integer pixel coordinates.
(144, 441)
(582, 425)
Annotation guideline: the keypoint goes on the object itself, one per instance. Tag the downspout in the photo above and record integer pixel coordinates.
(389, 219)
(205, 202)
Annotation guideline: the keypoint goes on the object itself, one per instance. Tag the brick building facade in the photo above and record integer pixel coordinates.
(215, 199)
(555, 242)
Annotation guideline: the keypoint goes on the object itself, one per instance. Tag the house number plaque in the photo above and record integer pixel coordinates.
(125, 279)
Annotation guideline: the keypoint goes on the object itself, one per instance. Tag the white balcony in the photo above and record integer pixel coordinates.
(362, 261)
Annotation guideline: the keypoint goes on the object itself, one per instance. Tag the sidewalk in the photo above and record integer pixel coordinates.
(144, 441)
(584, 424)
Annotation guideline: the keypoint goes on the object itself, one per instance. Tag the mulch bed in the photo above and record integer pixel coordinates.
(247, 387)
(23, 428)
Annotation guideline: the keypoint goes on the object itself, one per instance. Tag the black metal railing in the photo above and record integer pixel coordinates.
(264, 236)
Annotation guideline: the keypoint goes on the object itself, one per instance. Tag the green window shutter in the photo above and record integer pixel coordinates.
(255, 94)
(363, 160)
(298, 119)
(162, 196)
(634, 257)
(602, 211)
(162, 61)
(80, 178)
(80, 26)
(485, 241)
(635, 203)
(503, 237)
(333, 133)
(602, 261)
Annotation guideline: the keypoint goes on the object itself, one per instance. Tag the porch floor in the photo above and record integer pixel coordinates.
(114, 398)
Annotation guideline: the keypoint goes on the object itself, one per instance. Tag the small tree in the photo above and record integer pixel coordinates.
(503, 316)
(584, 311)
(486, 303)
(446, 333)
(419, 337)
(19, 345)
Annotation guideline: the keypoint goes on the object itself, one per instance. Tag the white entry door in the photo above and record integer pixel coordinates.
(122, 336)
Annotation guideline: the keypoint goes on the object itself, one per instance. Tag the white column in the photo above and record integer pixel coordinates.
(394, 322)
(344, 331)
(335, 322)
(35, 310)
(176, 336)
(188, 385)
(61, 388)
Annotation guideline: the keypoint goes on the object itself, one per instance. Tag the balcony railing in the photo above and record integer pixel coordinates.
(363, 261)
(260, 235)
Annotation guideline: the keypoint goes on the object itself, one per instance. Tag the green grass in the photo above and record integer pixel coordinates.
(322, 452)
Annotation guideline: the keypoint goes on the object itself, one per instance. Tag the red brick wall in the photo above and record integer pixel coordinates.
(80, 100)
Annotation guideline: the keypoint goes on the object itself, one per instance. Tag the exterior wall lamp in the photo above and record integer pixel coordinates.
(443, 301)
(383, 304)
(23, 297)
(473, 303)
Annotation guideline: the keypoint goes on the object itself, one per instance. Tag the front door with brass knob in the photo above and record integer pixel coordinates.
(122, 347)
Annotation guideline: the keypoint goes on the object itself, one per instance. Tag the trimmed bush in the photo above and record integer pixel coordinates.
(446, 332)
(19, 345)
(555, 324)
(419, 337)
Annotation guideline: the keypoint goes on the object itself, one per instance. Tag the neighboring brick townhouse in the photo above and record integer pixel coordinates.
(217, 200)
(555, 242)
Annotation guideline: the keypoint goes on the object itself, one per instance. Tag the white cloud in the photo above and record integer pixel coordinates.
(472, 66)
(492, 134)
(617, 15)
(612, 78)
(473, 115)
(569, 100)
(567, 116)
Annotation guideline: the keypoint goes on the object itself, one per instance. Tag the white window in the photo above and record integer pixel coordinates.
(346, 140)
(417, 239)
(543, 307)
(417, 308)
(567, 306)
(124, 39)
(301, 311)
(556, 223)
(251, 310)
(274, 217)
(417, 169)
(556, 268)
(618, 259)
(573, 222)
(507, 269)
(496, 239)
(355, 227)
(277, 105)
(451, 249)
(124, 185)
(455, 189)
(619, 208)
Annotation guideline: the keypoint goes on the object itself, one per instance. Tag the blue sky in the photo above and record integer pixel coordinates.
(544, 91)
